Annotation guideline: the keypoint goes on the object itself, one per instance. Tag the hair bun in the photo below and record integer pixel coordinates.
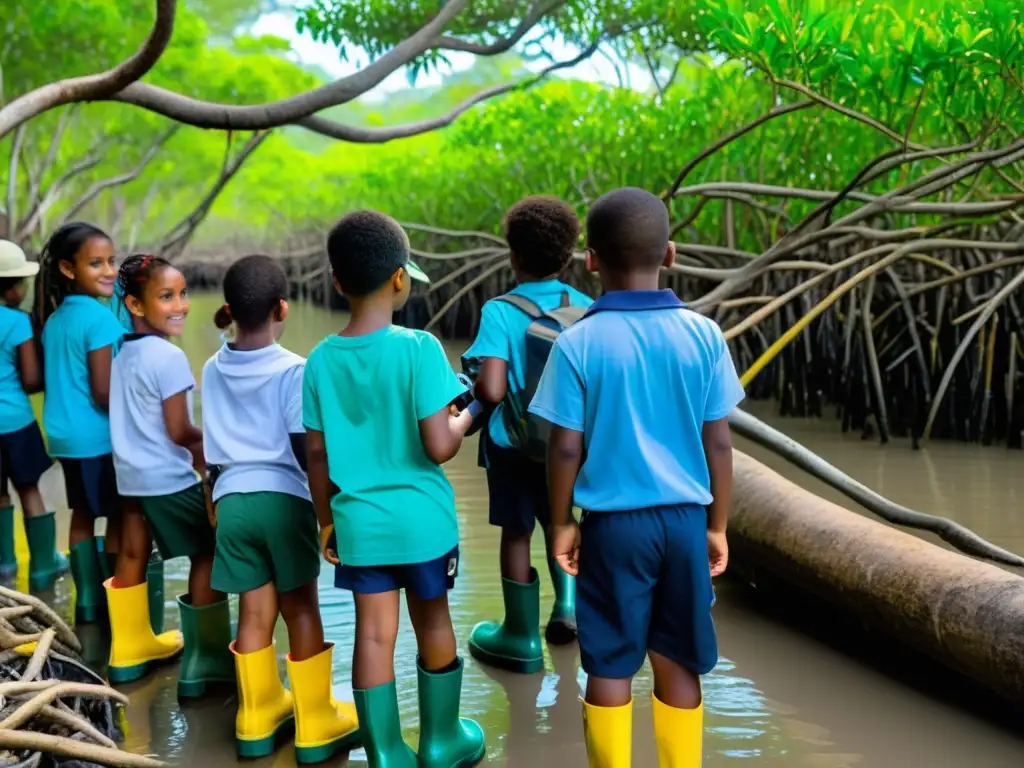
(222, 318)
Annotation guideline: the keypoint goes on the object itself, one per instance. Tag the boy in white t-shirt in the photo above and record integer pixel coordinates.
(157, 452)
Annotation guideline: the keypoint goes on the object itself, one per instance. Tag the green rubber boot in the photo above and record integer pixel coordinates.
(45, 563)
(446, 740)
(107, 563)
(561, 628)
(514, 644)
(381, 729)
(207, 658)
(8, 557)
(90, 599)
(155, 587)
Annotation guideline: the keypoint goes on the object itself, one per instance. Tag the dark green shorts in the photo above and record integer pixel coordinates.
(179, 523)
(265, 537)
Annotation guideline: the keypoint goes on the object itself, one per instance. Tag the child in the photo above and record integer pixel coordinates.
(267, 547)
(80, 336)
(638, 393)
(542, 233)
(23, 457)
(378, 424)
(157, 453)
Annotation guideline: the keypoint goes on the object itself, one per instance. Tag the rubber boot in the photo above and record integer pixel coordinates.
(85, 570)
(45, 563)
(678, 734)
(323, 727)
(8, 555)
(561, 628)
(446, 740)
(155, 587)
(207, 658)
(107, 563)
(134, 649)
(381, 728)
(265, 711)
(514, 644)
(609, 735)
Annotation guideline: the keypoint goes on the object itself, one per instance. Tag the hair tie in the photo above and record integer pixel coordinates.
(226, 309)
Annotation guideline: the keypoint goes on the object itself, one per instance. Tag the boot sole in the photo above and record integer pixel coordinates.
(133, 672)
(253, 748)
(510, 663)
(560, 632)
(196, 689)
(309, 755)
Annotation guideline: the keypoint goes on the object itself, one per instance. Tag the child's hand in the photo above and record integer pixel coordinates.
(211, 508)
(565, 546)
(328, 545)
(718, 552)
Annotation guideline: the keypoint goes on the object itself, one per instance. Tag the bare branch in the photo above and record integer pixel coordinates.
(67, 117)
(535, 14)
(12, 180)
(98, 86)
(34, 219)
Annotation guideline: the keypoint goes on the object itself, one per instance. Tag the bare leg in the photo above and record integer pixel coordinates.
(435, 637)
(674, 685)
(609, 691)
(301, 611)
(31, 501)
(199, 582)
(113, 536)
(515, 555)
(257, 616)
(135, 546)
(82, 527)
(373, 658)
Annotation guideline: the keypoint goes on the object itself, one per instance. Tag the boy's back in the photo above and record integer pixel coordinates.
(15, 408)
(367, 394)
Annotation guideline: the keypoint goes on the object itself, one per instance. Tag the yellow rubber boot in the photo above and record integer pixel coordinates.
(134, 649)
(609, 735)
(265, 708)
(323, 726)
(678, 733)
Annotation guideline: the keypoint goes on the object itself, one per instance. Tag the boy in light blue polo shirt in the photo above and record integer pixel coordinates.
(542, 233)
(638, 393)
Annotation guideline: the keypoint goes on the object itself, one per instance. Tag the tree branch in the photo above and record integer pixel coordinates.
(98, 86)
(12, 180)
(63, 122)
(534, 15)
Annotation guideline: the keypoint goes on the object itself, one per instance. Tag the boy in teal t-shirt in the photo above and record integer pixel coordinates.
(377, 409)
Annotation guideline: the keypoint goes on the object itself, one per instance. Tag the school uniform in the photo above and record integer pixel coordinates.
(638, 376)
(78, 431)
(266, 525)
(517, 486)
(150, 467)
(395, 512)
(23, 456)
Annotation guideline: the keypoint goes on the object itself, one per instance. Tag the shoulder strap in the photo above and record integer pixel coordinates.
(565, 301)
(523, 304)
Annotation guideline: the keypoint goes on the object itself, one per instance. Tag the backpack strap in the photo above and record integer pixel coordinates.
(523, 304)
(565, 300)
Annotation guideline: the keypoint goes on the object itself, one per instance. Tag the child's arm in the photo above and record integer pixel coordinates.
(491, 345)
(99, 361)
(442, 433)
(29, 369)
(435, 385)
(492, 381)
(718, 450)
(320, 489)
(182, 431)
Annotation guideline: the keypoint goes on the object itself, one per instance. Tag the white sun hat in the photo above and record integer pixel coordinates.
(13, 262)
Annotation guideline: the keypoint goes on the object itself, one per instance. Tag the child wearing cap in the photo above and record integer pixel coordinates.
(638, 393)
(377, 410)
(23, 456)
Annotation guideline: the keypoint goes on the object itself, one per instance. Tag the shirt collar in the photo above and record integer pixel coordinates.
(78, 298)
(635, 301)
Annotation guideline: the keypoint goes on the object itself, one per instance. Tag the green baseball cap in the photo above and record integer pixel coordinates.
(13, 262)
(415, 272)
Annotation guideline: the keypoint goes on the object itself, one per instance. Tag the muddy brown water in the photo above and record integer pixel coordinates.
(778, 697)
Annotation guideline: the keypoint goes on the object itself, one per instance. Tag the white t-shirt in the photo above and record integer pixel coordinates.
(147, 371)
(252, 403)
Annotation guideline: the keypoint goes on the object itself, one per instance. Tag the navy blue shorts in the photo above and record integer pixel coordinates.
(23, 457)
(91, 485)
(427, 581)
(518, 490)
(645, 584)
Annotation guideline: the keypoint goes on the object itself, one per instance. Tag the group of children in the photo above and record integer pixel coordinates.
(340, 455)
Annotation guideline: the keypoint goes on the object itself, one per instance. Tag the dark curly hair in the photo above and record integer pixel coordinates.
(138, 270)
(253, 287)
(51, 285)
(542, 233)
(365, 249)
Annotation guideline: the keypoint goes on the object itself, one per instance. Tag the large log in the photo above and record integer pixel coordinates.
(966, 614)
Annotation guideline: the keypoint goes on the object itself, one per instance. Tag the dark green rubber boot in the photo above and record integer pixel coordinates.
(155, 587)
(207, 658)
(381, 729)
(561, 628)
(446, 740)
(45, 563)
(90, 597)
(8, 556)
(514, 644)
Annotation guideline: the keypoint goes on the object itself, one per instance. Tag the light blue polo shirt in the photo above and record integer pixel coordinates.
(639, 375)
(15, 408)
(75, 427)
(502, 335)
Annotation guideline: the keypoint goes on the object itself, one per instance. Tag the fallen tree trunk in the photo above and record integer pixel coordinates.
(965, 614)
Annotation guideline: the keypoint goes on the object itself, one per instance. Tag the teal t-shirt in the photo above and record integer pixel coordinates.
(75, 427)
(367, 395)
(15, 408)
